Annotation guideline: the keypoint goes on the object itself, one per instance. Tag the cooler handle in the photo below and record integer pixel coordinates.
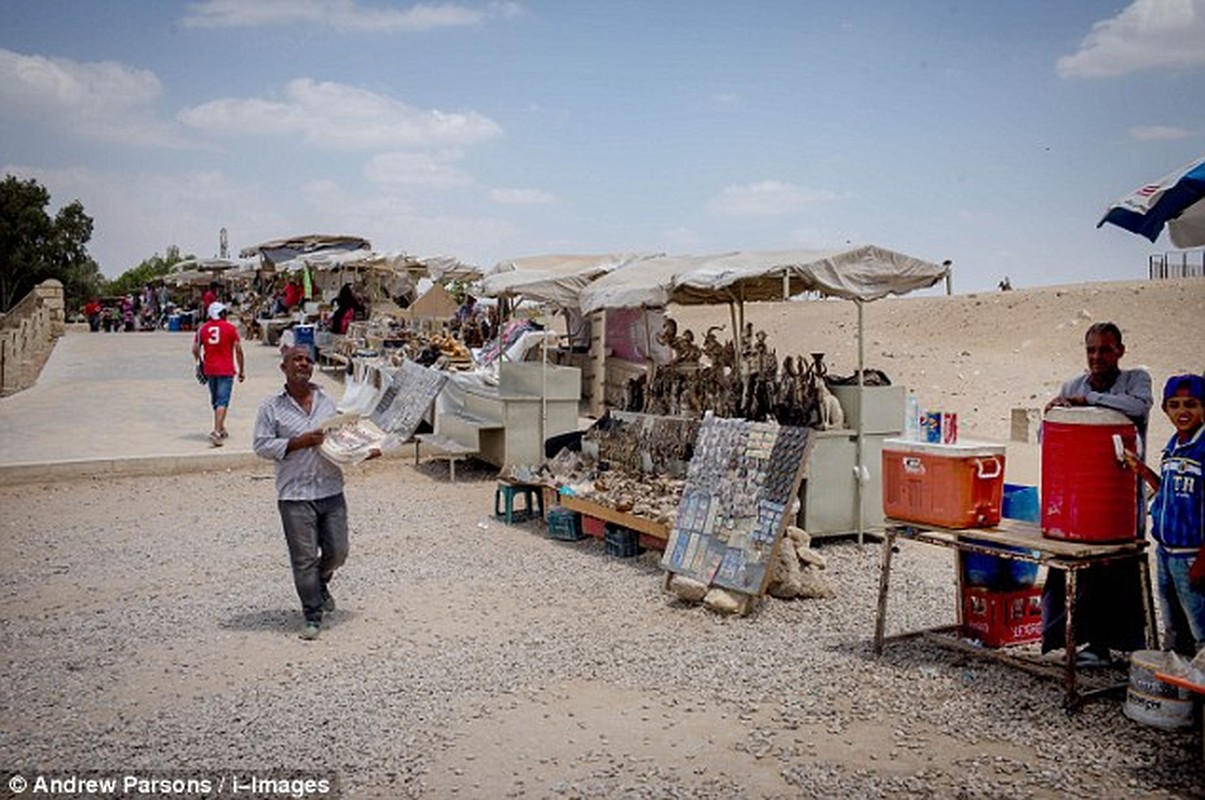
(995, 462)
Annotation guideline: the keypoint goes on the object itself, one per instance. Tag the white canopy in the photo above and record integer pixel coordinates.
(861, 273)
(554, 279)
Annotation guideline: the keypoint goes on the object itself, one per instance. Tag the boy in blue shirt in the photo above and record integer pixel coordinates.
(1178, 516)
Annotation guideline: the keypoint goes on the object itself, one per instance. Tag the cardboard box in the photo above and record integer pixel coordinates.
(948, 485)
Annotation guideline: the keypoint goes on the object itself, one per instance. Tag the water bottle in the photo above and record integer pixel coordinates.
(911, 418)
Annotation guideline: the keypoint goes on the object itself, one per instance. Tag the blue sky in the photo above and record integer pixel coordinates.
(990, 133)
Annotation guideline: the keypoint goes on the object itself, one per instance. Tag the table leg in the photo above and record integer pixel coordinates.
(880, 622)
(1069, 654)
(1148, 601)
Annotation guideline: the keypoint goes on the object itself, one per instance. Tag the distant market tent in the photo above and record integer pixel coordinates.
(277, 251)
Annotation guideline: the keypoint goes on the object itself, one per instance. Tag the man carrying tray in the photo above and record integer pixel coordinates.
(309, 487)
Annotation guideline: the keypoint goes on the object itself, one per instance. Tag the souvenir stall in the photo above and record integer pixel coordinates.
(554, 283)
(743, 377)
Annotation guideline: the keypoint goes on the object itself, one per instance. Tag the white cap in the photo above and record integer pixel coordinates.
(216, 309)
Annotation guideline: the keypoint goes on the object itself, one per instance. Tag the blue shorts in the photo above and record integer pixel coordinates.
(219, 390)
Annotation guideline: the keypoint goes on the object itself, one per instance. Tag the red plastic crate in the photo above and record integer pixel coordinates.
(593, 526)
(1002, 618)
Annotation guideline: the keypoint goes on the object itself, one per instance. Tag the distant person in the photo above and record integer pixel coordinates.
(1005, 285)
(293, 294)
(347, 305)
(219, 351)
(92, 311)
(1178, 516)
(1109, 597)
(127, 313)
(210, 295)
(309, 487)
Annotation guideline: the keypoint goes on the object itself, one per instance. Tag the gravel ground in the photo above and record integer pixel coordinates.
(149, 626)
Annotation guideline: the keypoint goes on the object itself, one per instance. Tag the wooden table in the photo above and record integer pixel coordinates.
(621, 518)
(1069, 556)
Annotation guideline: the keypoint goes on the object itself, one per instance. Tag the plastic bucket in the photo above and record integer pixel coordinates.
(173, 323)
(1152, 701)
(1087, 494)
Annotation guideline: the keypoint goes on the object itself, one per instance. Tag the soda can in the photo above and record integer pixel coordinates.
(930, 427)
(949, 427)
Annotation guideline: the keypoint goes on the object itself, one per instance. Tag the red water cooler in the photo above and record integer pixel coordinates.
(1087, 493)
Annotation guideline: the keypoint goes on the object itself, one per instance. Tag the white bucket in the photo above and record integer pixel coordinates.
(1152, 701)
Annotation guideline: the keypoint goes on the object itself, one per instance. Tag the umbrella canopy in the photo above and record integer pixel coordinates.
(1176, 199)
(554, 279)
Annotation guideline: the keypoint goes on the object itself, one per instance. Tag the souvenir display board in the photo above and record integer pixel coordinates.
(742, 482)
(404, 398)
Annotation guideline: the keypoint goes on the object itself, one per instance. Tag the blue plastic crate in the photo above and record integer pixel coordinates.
(621, 542)
(564, 524)
(1019, 502)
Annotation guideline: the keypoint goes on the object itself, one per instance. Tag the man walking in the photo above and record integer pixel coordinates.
(309, 488)
(218, 350)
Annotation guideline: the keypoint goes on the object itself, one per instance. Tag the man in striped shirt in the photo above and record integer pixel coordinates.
(309, 488)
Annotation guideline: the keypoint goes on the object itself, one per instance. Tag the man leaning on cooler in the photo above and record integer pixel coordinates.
(1108, 597)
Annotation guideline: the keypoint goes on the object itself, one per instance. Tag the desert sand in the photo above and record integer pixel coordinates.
(149, 624)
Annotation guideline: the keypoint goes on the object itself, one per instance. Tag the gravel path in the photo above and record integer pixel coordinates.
(149, 625)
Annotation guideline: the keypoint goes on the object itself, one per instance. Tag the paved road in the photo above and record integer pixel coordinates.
(105, 398)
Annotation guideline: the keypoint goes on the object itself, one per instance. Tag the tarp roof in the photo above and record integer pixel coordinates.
(864, 273)
(278, 250)
(554, 279)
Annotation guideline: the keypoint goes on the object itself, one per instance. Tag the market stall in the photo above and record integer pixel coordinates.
(861, 274)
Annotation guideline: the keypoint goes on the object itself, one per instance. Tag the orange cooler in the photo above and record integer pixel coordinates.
(1087, 493)
(950, 485)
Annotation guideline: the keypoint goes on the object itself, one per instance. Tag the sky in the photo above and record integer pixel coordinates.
(993, 134)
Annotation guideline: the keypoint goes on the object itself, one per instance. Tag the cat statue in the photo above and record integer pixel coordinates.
(832, 416)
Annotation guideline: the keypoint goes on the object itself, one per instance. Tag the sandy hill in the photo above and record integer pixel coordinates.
(983, 354)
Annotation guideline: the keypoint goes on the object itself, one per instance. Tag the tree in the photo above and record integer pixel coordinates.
(34, 247)
(150, 270)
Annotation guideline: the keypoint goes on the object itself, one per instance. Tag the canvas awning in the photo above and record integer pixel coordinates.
(554, 279)
(861, 273)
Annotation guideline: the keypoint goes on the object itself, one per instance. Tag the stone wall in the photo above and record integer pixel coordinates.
(28, 333)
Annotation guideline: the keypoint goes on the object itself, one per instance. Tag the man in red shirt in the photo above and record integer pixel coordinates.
(218, 349)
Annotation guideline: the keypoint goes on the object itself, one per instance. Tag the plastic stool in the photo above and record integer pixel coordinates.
(504, 502)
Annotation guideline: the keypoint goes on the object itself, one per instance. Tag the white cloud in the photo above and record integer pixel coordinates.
(345, 15)
(338, 116)
(1159, 133)
(95, 100)
(765, 199)
(432, 170)
(1149, 34)
(522, 197)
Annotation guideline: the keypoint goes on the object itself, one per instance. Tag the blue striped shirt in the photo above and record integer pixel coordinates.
(302, 474)
(1178, 513)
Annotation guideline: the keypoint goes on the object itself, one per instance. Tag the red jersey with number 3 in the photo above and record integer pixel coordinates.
(217, 339)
